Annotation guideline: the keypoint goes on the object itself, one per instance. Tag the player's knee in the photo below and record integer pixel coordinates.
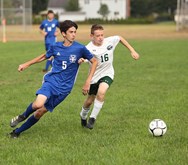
(39, 113)
(100, 96)
(37, 105)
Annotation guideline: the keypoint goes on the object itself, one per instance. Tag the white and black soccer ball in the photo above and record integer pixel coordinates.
(157, 127)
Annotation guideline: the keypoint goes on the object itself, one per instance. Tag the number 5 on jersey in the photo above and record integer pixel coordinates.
(64, 64)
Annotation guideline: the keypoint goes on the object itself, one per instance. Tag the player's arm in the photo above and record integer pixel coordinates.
(57, 29)
(42, 28)
(42, 31)
(134, 54)
(81, 60)
(31, 62)
(86, 86)
(57, 32)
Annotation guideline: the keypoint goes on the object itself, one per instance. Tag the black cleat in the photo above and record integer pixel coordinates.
(90, 123)
(83, 122)
(14, 121)
(13, 134)
(44, 71)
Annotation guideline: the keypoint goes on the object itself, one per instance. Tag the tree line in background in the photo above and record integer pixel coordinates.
(139, 8)
(39, 5)
(149, 10)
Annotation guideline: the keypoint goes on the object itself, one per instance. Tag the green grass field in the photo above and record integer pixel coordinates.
(155, 86)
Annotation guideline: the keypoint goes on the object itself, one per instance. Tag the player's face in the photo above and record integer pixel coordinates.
(70, 35)
(97, 37)
(50, 16)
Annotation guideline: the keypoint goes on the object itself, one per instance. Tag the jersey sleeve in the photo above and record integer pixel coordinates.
(88, 46)
(115, 40)
(50, 52)
(42, 25)
(87, 54)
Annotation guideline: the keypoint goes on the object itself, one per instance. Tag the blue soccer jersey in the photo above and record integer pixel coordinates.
(64, 66)
(50, 28)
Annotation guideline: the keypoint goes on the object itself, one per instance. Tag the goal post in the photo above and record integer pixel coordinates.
(16, 14)
(181, 16)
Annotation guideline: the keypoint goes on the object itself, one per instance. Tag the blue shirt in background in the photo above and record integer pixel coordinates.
(50, 28)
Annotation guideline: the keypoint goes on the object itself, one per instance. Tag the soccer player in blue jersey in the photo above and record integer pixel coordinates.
(58, 82)
(49, 29)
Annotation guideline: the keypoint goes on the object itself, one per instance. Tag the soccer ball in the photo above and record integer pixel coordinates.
(157, 127)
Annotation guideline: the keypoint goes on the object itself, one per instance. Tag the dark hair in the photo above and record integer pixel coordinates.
(96, 27)
(50, 11)
(65, 25)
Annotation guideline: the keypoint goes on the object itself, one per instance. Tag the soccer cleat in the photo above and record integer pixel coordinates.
(90, 123)
(13, 134)
(44, 70)
(83, 122)
(14, 121)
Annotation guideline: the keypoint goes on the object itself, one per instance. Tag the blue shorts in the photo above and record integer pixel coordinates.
(52, 99)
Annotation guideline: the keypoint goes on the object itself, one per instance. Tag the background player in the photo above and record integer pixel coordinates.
(58, 82)
(103, 49)
(49, 29)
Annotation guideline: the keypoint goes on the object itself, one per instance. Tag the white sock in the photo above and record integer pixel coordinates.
(84, 112)
(96, 108)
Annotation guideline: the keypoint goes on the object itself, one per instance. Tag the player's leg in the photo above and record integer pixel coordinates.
(47, 105)
(85, 109)
(29, 123)
(14, 121)
(98, 103)
(39, 102)
(105, 83)
(88, 102)
(30, 109)
(40, 110)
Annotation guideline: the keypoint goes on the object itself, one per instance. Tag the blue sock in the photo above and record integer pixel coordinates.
(28, 111)
(30, 122)
(48, 63)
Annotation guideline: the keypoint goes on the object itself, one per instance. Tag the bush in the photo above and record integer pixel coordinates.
(37, 19)
(147, 20)
(164, 17)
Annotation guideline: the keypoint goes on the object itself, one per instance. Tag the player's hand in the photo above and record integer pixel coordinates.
(22, 67)
(45, 33)
(135, 55)
(56, 33)
(85, 88)
(81, 60)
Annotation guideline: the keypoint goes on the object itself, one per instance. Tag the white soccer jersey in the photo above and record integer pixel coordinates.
(104, 55)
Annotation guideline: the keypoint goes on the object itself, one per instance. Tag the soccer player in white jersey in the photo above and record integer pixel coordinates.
(102, 49)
